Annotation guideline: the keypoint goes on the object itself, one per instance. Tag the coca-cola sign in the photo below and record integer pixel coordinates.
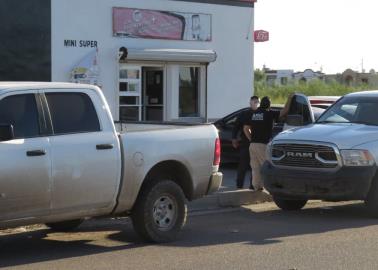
(261, 36)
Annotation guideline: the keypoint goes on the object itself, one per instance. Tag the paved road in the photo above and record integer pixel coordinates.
(323, 236)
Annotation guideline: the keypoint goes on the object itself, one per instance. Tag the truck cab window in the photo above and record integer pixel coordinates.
(21, 112)
(72, 113)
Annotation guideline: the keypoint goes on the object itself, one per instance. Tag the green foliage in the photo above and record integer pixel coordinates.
(279, 93)
(259, 75)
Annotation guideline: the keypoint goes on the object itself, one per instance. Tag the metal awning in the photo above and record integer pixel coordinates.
(171, 55)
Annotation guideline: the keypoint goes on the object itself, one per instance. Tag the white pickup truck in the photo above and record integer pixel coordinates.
(334, 158)
(62, 161)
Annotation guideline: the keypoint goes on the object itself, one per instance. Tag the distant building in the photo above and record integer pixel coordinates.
(308, 75)
(284, 76)
(353, 78)
(278, 77)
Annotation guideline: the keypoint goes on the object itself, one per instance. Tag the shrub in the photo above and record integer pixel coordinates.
(279, 93)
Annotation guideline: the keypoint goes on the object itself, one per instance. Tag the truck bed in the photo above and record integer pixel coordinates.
(146, 144)
(123, 127)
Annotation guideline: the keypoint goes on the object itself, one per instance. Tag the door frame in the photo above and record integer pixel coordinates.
(146, 64)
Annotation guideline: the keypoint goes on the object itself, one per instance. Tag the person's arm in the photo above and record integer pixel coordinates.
(247, 132)
(285, 111)
(238, 126)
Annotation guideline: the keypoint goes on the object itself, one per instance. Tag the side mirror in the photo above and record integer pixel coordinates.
(6, 132)
(295, 120)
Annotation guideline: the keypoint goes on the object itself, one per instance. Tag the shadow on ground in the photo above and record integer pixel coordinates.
(245, 226)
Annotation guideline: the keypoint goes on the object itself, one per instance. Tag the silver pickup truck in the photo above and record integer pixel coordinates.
(63, 161)
(334, 158)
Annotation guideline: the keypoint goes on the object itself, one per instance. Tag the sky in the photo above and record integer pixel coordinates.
(331, 35)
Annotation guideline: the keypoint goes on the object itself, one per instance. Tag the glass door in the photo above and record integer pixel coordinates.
(153, 94)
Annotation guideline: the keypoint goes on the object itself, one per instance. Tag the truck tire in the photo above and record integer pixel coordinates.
(289, 205)
(159, 212)
(65, 226)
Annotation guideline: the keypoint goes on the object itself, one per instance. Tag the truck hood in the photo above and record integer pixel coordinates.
(345, 136)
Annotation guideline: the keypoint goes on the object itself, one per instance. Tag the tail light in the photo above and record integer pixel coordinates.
(217, 152)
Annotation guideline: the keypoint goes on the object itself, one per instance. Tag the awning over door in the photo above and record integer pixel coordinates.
(171, 55)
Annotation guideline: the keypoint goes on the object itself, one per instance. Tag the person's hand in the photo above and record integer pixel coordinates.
(235, 143)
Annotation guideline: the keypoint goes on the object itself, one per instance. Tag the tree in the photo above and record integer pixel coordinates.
(259, 75)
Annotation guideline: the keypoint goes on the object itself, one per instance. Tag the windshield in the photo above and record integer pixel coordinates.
(359, 110)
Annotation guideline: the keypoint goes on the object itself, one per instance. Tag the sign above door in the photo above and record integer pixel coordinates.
(154, 24)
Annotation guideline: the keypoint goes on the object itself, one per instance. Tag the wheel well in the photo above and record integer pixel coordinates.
(172, 170)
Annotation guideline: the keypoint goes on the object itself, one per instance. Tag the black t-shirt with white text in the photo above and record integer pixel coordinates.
(261, 123)
(237, 131)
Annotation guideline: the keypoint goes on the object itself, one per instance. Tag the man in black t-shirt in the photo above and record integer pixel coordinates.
(240, 141)
(259, 130)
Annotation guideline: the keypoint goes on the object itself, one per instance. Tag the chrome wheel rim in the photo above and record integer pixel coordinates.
(165, 213)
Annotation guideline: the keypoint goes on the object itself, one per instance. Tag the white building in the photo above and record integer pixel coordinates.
(186, 60)
(279, 77)
(308, 75)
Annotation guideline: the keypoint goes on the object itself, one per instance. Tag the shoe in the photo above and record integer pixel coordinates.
(254, 189)
(239, 185)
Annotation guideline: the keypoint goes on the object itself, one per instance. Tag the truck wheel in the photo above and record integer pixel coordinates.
(159, 212)
(289, 205)
(65, 226)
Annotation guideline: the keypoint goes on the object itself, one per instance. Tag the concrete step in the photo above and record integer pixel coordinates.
(234, 198)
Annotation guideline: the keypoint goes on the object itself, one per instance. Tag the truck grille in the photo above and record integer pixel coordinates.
(304, 155)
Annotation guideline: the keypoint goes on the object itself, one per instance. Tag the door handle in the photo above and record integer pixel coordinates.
(104, 146)
(35, 153)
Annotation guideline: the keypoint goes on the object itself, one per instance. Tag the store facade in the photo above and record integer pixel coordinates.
(155, 60)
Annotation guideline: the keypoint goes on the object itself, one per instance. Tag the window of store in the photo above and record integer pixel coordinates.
(130, 101)
(189, 91)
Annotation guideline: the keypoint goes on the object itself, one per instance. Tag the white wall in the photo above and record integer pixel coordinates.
(230, 78)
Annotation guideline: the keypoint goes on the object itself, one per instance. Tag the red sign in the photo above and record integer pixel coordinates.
(261, 36)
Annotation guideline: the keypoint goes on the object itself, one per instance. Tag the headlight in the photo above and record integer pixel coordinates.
(357, 158)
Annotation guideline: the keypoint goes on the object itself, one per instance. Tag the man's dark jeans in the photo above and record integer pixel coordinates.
(244, 164)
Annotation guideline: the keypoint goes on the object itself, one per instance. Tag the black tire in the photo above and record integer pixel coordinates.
(65, 226)
(148, 210)
(289, 205)
(371, 201)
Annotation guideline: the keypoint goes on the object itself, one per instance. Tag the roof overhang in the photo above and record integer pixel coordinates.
(171, 55)
(241, 3)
